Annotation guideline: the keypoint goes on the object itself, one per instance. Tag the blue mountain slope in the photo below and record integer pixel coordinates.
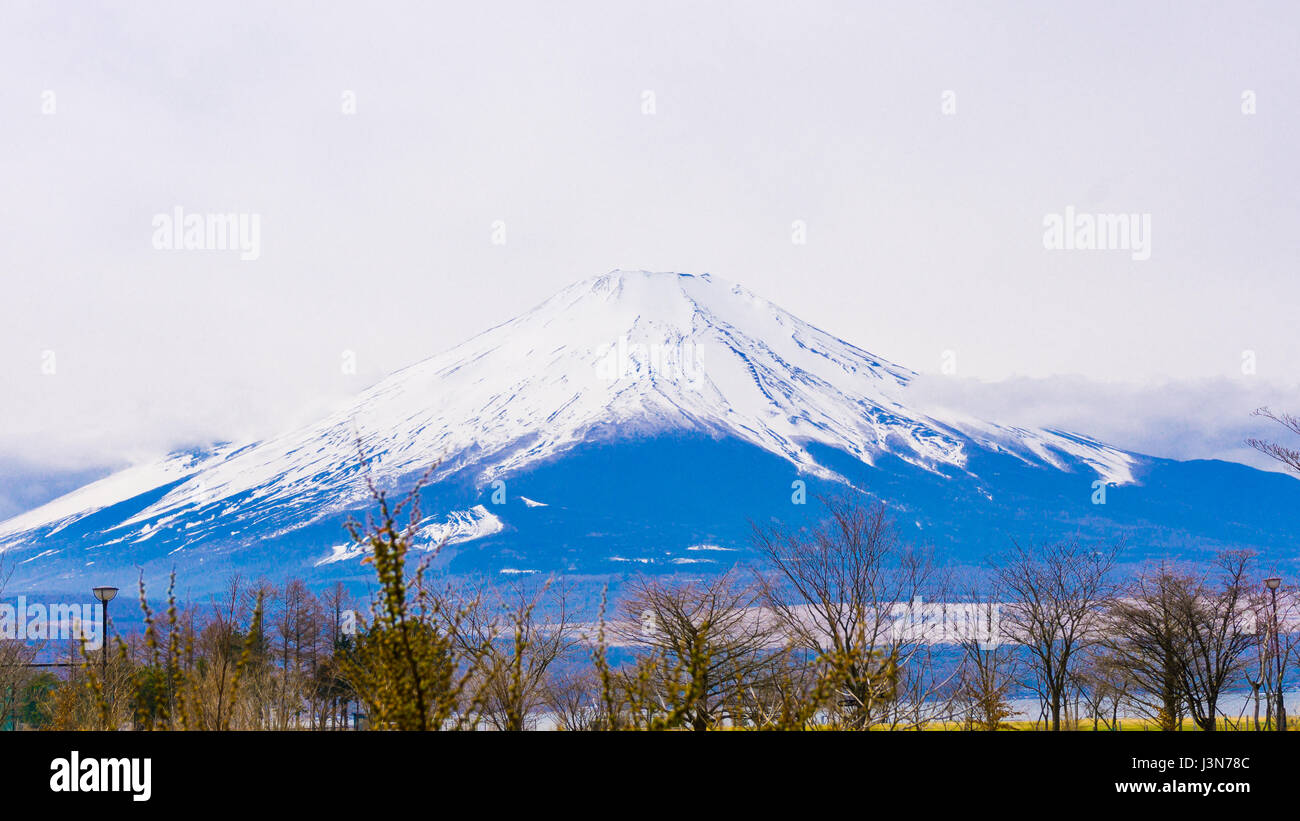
(686, 504)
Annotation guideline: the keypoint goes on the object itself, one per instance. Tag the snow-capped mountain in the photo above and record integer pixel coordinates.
(609, 366)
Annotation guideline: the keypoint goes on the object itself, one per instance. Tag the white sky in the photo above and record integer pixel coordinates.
(924, 230)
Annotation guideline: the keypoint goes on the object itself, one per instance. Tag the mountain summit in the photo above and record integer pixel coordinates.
(629, 369)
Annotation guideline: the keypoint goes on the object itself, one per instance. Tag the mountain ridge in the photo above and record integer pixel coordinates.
(613, 359)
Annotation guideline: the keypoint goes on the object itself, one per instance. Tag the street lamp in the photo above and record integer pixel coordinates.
(105, 595)
(1273, 583)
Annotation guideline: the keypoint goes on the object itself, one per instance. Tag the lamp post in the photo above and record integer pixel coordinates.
(1273, 583)
(105, 595)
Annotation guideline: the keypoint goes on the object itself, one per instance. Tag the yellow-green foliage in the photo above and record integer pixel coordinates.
(405, 667)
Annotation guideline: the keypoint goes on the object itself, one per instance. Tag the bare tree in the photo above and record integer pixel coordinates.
(1103, 686)
(989, 666)
(296, 623)
(709, 641)
(1287, 456)
(837, 589)
(572, 696)
(1217, 618)
(331, 685)
(1256, 671)
(1283, 643)
(517, 633)
(1056, 593)
(1146, 639)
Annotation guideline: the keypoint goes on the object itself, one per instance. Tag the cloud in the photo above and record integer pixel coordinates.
(24, 486)
(1186, 419)
(924, 231)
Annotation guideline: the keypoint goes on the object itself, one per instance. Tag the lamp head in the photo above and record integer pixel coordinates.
(105, 594)
(1273, 583)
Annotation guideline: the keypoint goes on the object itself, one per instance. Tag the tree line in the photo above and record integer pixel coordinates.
(821, 633)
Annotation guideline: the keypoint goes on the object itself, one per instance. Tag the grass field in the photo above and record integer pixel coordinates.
(1124, 725)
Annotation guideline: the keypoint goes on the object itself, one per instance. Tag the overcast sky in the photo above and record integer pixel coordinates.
(924, 227)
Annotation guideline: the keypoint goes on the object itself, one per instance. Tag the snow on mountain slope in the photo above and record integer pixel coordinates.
(454, 528)
(623, 354)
